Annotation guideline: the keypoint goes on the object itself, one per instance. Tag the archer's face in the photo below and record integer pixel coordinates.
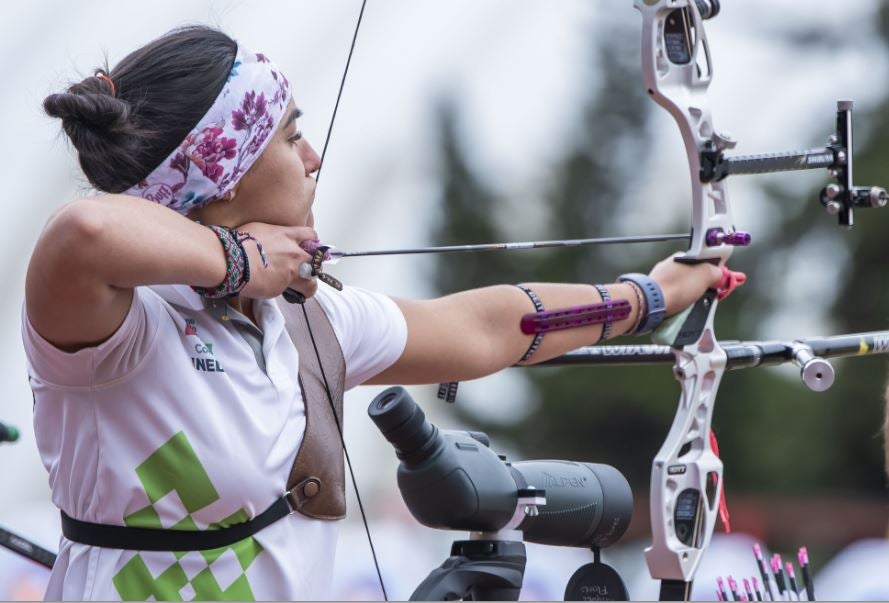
(279, 188)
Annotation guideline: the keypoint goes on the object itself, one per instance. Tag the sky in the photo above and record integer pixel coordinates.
(516, 69)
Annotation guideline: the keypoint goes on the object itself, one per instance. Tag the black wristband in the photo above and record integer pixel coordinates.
(654, 301)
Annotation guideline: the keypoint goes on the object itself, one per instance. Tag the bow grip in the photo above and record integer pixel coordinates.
(686, 327)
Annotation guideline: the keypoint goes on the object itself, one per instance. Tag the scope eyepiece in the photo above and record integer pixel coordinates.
(404, 424)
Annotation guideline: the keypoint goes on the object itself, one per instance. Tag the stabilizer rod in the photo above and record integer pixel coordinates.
(808, 353)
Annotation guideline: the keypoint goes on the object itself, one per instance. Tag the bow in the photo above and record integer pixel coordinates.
(677, 73)
(686, 479)
(686, 475)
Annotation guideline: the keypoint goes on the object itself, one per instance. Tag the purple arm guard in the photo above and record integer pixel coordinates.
(575, 316)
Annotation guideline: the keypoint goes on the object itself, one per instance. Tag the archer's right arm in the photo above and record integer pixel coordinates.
(94, 251)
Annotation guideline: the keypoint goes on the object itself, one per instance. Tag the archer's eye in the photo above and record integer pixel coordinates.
(295, 138)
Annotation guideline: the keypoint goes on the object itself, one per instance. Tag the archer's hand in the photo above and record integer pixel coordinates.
(284, 255)
(684, 284)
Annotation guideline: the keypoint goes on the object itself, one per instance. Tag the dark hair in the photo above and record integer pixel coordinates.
(160, 93)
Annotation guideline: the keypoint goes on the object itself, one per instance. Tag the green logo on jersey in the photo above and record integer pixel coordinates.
(175, 468)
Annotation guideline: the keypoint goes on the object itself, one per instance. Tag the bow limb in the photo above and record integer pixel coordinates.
(686, 477)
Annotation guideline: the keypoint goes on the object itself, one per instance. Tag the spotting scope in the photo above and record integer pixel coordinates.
(452, 480)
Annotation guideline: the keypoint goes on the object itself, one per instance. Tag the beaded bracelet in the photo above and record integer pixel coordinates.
(538, 337)
(643, 309)
(237, 273)
(606, 326)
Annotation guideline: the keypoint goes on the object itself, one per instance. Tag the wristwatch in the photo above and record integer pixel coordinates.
(654, 300)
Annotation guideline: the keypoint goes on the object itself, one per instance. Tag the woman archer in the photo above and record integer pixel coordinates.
(168, 408)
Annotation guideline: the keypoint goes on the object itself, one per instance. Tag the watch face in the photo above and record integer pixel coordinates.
(596, 582)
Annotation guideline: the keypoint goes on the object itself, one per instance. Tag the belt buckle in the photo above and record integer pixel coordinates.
(288, 496)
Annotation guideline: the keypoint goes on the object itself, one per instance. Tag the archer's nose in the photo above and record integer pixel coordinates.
(310, 158)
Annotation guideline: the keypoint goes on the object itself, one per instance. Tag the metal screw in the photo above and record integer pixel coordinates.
(841, 157)
(833, 190)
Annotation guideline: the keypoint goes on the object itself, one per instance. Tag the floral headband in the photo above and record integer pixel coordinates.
(225, 142)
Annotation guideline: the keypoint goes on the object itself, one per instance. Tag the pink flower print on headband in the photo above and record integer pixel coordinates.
(226, 141)
(205, 149)
(253, 117)
(213, 148)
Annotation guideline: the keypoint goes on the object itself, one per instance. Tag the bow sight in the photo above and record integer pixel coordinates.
(838, 198)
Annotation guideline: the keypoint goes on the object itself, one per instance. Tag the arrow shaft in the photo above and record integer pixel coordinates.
(518, 245)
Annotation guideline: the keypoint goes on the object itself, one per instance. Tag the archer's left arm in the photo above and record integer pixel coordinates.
(476, 333)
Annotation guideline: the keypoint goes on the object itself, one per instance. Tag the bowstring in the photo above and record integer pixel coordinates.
(339, 428)
(308, 323)
(339, 95)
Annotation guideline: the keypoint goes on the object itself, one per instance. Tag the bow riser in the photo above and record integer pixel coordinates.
(677, 72)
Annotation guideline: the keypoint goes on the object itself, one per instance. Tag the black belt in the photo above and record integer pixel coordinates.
(150, 539)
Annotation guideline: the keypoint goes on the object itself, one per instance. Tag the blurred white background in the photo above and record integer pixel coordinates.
(515, 68)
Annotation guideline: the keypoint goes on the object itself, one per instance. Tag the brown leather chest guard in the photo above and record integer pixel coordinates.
(317, 483)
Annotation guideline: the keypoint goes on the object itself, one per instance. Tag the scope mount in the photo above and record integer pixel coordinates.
(490, 566)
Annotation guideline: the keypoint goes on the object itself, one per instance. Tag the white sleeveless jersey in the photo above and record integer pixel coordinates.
(181, 421)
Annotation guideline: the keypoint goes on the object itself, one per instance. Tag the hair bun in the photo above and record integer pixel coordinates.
(90, 104)
(97, 123)
(125, 124)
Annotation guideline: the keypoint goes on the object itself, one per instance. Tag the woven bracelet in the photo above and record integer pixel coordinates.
(237, 273)
(246, 236)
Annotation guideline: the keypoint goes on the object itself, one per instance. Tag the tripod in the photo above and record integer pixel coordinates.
(490, 566)
(477, 570)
